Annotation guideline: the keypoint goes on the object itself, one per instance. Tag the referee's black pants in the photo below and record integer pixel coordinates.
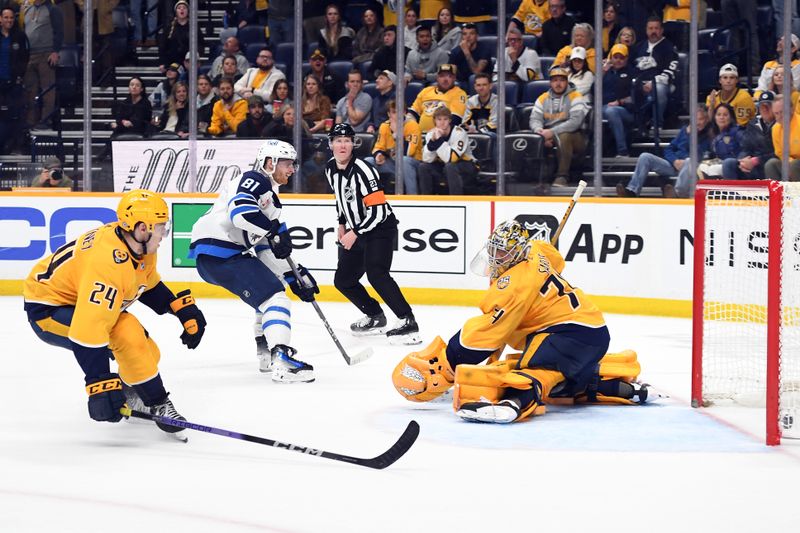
(371, 253)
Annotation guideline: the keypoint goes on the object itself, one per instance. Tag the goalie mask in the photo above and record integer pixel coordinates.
(508, 245)
(275, 150)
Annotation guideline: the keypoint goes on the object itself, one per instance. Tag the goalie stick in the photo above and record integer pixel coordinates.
(570, 207)
(361, 356)
(387, 458)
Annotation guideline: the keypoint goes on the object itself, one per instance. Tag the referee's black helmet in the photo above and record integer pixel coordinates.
(342, 130)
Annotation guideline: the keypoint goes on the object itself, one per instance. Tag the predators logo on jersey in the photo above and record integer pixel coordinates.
(503, 282)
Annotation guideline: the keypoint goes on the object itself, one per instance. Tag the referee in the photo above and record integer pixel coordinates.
(366, 236)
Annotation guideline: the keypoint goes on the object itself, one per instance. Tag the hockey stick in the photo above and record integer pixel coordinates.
(395, 452)
(570, 207)
(354, 360)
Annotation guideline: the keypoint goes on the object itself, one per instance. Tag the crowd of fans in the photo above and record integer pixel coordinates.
(549, 60)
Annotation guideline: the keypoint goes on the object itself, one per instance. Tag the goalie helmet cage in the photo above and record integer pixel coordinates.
(746, 308)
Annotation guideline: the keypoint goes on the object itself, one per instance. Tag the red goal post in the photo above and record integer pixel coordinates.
(746, 303)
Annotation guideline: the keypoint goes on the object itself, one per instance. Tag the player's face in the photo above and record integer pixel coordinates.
(283, 171)
(159, 232)
(342, 148)
(728, 82)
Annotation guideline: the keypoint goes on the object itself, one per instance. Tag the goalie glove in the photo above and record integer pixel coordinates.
(194, 323)
(306, 287)
(105, 397)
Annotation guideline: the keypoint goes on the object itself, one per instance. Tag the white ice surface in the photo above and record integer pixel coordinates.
(658, 468)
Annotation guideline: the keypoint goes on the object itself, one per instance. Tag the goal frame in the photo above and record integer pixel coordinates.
(774, 257)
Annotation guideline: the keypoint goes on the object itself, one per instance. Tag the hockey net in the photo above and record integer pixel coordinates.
(746, 304)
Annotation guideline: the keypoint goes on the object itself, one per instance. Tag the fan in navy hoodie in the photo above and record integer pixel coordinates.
(655, 62)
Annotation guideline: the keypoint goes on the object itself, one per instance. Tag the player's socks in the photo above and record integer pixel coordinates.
(287, 369)
(405, 332)
(369, 325)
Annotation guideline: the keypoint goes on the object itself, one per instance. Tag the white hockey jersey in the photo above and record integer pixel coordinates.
(449, 149)
(246, 210)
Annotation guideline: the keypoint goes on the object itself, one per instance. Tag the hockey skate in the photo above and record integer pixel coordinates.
(503, 412)
(263, 354)
(369, 325)
(644, 393)
(287, 369)
(405, 332)
(167, 410)
(135, 403)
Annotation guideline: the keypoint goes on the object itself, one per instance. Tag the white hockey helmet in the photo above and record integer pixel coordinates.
(275, 150)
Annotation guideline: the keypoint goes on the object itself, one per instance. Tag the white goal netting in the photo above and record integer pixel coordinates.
(735, 300)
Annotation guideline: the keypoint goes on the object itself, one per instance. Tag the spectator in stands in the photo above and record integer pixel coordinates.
(446, 154)
(280, 98)
(229, 48)
(282, 127)
(446, 34)
(626, 36)
(583, 36)
(144, 26)
(251, 12)
(134, 113)
(45, 31)
(522, 63)
(336, 39)
(175, 117)
(579, 74)
(229, 111)
(410, 36)
(316, 106)
(333, 86)
(776, 86)
(470, 57)
(206, 98)
(389, 10)
(53, 175)
(756, 148)
(280, 17)
(384, 152)
(260, 79)
(14, 52)
(617, 97)
(386, 93)
(429, 10)
(678, 11)
(772, 170)
(103, 27)
(655, 62)
(771, 66)
(730, 93)
(229, 70)
(674, 163)
(385, 57)
(422, 63)
(726, 144)
(314, 18)
(743, 10)
(354, 107)
(777, 9)
(558, 116)
(611, 25)
(445, 93)
(557, 30)
(173, 40)
(183, 73)
(164, 87)
(530, 17)
(252, 127)
(368, 39)
(482, 108)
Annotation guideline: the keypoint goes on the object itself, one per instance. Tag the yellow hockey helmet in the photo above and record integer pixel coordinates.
(141, 205)
(508, 245)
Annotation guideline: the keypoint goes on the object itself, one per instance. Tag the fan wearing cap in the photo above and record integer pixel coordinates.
(655, 61)
(422, 63)
(618, 106)
(470, 56)
(52, 175)
(773, 64)
(580, 76)
(173, 40)
(385, 57)
(557, 116)
(730, 93)
(444, 93)
(253, 125)
(164, 88)
(385, 84)
(530, 16)
(756, 145)
(522, 63)
(332, 85)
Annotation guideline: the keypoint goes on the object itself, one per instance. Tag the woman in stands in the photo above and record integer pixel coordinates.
(611, 25)
(316, 106)
(175, 117)
(445, 33)
(368, 39)
(280, 99)
(626, 36)
(336, 39)
(776, 86)
(131, 115)
(725, 144)
(579, 74)
(173, 42)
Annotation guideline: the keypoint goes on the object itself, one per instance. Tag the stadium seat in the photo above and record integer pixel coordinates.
(251, 34)
(371, 89)
(530, 41)
(284, 53)
(481, 146)
(677, 32)
(707, 72)
(251, 51)
(362, 144)
(532, 90)
(512, 92)
(490, 42)
(524, 116)
(713, 18)
(165, 136)
(547, 62)
(511, 120)
(411, 92)
(340, 69)
(68, 76)
(366, 70)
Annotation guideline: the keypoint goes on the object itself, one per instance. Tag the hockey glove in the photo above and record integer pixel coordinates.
(281, 244)
(306, 288)
(194, 323)
(105, 397)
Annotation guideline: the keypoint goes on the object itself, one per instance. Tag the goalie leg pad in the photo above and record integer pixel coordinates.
(135, 352)
(424, 375)
(624, 365)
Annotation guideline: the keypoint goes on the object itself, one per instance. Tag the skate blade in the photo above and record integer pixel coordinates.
(373, 333)
(180, 436)
(287, 377)
(405, 340)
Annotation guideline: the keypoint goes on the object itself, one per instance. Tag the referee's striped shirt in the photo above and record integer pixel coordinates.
(360, 201)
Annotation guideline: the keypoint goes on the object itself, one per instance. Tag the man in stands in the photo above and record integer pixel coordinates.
(386, 93)
(385, 57)
(261, 79)
(522, 63)
(756, 147)
(444, 93)
(730, 93)
(44, 28)
(332, 85)
(617, 97)
(229, 111)
(422, 63)
(14, 53)
(355, 106)
(530, 17)
(557, 30)
(229, 48)
(655, 61)
(470, 57)
(772, 169)
(253, 125)
(482, 108)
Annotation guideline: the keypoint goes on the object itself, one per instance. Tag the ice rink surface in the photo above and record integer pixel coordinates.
(648, 469)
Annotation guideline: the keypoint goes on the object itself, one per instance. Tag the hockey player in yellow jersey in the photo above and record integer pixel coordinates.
(77, 298)
(560, 335)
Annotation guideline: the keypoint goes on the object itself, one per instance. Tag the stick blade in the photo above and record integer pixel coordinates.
(397, 450)
(360, 357)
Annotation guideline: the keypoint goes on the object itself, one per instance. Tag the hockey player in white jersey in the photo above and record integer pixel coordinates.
(240, 244)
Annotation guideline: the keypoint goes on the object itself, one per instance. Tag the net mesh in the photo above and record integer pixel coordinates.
(735, 300)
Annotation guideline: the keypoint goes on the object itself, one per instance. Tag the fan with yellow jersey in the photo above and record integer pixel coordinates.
(444, 93)
(77, 298)
(559, 334)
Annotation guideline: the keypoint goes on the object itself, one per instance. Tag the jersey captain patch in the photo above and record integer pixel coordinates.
(120, 256)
